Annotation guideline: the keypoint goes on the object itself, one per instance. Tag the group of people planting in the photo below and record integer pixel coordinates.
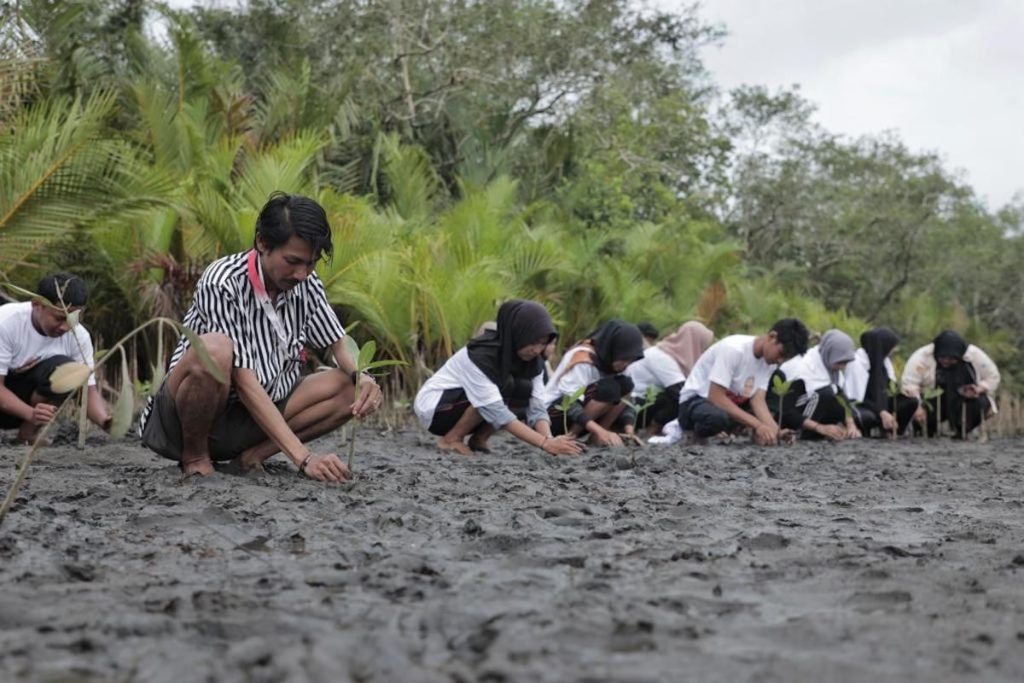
(240, 396)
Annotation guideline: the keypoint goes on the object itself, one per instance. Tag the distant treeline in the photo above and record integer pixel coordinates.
(576, 153)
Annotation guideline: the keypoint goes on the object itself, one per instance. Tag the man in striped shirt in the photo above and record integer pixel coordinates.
(255, 313)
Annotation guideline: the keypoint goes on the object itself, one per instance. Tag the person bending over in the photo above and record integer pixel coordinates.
(868, 377)
(595, 365)
(968, 379)
(36, 338)
(495, 382)
(726, 390)
(665, 367)
(255, 313)
(815, 405)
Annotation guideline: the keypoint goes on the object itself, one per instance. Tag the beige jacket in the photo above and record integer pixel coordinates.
(919, 373)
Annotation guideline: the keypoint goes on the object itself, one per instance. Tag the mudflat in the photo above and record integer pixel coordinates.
(862, 561)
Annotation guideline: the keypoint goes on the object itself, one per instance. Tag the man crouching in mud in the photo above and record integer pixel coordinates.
(255, 313)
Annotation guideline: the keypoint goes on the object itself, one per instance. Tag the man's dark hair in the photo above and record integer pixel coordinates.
(792, 334)
(58, 287)
(285, 215)
(648, 330)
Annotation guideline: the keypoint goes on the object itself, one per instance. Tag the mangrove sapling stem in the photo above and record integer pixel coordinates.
(963, 420)
(353, 425)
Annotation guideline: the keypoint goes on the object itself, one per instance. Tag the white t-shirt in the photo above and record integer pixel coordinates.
(729, 363)
(857, 372)
(811, 369)
(656, 369)
(460, 372)
(21, 343)
(567, 383)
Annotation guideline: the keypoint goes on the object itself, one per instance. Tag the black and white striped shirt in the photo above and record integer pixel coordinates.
(226, 302)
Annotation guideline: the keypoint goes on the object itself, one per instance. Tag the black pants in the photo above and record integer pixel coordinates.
(606, 390)
(954, 409)
(664, 409)
(35, 380)
(822, 406)
(869, 420)
(703, 418)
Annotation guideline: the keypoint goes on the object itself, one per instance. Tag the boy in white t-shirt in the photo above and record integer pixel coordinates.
(35, 338)
(727, 386)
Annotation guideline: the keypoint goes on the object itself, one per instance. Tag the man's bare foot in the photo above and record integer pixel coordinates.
(202, 466)
(456, 446)
(246, 462)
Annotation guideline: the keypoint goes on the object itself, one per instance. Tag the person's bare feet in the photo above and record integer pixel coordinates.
(456, 446)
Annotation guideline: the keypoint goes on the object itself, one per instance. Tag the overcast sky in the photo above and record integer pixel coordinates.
(947, 75)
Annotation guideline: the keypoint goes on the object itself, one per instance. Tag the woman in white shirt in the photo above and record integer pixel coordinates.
(483, 386)
(665, 367)
(814, 405)
(968, 379)
(595, 365)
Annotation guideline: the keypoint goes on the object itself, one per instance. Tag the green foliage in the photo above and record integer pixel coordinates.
(467, 153)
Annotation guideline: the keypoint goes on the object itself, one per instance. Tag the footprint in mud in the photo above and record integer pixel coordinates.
(766, 541)
(880, 601)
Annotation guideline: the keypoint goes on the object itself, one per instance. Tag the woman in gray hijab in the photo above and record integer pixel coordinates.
(815, 405)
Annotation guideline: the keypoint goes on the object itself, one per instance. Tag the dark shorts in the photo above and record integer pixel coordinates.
(34, 380)
(450, 408)
(233, 431)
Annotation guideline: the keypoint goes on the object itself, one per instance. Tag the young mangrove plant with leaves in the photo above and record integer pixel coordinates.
(365, 363)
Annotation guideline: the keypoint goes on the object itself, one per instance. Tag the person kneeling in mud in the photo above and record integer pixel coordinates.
(35, 339)
(255, 313)
(726, 390)
(495, 382)
(968, 379)
(595, 366)
(664, 368)
(815, 405)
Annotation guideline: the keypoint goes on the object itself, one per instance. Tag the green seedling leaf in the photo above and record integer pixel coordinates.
(352, 346)
(847, 408)
(780, 386)
(366, 355)
(124, 409)
(893, 388)
(73, 318)
(68, 377)
(204, 356)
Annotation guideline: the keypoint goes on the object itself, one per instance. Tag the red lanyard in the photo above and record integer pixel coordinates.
(268, 307)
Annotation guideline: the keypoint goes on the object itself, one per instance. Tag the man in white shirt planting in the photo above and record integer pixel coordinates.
(36, 337)
(726, 389)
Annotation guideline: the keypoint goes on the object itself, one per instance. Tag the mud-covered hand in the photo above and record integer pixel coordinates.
(324, 467)
(562, 445)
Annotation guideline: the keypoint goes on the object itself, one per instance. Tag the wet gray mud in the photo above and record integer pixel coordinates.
(855, 562)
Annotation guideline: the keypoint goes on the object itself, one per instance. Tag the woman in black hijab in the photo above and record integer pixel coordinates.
(868, 380)
(966, 376)
(485, 384)
(595, 366)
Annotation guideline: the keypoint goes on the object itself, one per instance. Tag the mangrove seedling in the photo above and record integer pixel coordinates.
(781, 388)
(365, 363)
(927, 396)
(649, 399)
(567, 401)
(893, 389)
